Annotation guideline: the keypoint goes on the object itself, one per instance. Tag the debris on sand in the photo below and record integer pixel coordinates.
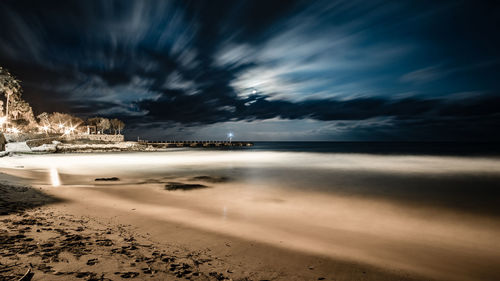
(21, 245)
(92, 261)
(128, 274)
(107, 179)
(183, 186)
(211, 179)
(27, 276)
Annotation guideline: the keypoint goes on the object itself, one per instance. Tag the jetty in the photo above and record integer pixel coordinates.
(166, 144)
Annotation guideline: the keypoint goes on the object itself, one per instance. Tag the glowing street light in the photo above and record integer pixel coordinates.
(45, 128)
(61, 128)
(69, 130)
(230, 135)
(9, 92)
(3, 120)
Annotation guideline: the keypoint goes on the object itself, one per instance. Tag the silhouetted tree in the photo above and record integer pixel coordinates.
(15, 107)
(103, 124)
(117, 125)
(10, 87)
(43, 118)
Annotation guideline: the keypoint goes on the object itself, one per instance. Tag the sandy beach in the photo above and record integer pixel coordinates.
(248, 216)
(245, 140)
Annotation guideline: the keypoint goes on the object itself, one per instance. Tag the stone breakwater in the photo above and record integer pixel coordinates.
(97, 137)
(167, 144)
(50, 145)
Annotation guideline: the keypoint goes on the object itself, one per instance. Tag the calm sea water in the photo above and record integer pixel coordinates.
(395, 148)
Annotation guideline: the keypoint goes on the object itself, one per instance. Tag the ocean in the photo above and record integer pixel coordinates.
(401, 148)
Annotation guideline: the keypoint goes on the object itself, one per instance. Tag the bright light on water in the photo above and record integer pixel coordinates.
(54, 177)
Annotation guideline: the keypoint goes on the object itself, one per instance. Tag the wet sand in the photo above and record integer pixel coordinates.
(255, 230)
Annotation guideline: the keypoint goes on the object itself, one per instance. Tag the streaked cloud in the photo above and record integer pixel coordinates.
(359, 69)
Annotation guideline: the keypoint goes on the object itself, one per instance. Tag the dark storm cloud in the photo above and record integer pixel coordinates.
(437, 118)
(425, 68)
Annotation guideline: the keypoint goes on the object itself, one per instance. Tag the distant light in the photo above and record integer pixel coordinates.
(254, 91)
(230, 135)
(54, 177)
(61, 126)
(45, 128)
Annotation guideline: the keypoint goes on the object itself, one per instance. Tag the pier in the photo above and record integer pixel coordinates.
(165, 144)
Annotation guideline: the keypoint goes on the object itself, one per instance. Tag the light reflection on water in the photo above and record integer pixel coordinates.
(54, 177)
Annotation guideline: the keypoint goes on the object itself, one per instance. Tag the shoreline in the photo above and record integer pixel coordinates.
(385, 148)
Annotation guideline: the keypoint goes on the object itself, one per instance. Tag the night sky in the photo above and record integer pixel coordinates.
(265, 70)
